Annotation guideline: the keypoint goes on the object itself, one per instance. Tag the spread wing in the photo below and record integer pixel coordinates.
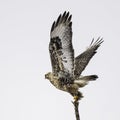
(60, 47)
(83, 59)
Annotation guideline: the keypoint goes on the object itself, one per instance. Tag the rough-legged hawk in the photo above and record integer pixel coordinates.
(67, 69)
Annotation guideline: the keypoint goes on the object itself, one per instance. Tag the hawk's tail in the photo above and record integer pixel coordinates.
(89, 77)
(83, 80)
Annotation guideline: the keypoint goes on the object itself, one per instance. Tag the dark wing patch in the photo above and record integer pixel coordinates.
(54, 48)
(60, 47)
(83, 59)
(57, 42)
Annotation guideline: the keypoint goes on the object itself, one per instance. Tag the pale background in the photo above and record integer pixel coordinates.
(24, 59)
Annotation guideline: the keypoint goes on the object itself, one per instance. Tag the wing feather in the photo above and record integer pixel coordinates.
(60, 47)
(83, 59)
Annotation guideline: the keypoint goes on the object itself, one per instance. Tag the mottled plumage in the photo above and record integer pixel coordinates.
(66, 69)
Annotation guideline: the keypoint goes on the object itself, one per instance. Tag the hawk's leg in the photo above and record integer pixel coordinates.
(77, 96)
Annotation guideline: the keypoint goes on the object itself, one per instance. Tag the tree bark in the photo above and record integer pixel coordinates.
(76, 108)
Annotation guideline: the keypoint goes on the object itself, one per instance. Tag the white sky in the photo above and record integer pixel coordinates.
(24, 59)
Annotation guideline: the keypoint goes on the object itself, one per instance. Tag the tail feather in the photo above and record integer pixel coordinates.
(89, 77)
(82, 81)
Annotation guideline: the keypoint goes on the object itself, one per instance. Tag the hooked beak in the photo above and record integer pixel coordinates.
(46, 76)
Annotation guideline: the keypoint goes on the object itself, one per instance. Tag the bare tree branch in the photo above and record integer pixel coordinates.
(76, 105)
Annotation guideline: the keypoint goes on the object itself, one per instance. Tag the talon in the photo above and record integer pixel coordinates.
(76, 98)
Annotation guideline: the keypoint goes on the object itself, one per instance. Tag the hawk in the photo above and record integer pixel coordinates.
(67, 69)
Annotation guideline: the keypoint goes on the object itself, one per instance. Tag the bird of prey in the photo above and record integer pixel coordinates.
(67, 69)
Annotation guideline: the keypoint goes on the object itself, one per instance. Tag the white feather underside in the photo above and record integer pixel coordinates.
(63, 32)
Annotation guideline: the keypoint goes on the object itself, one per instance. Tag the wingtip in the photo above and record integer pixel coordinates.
(97, 42)
(62, 18)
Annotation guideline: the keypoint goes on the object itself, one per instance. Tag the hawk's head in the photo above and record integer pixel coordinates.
(48, 76)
